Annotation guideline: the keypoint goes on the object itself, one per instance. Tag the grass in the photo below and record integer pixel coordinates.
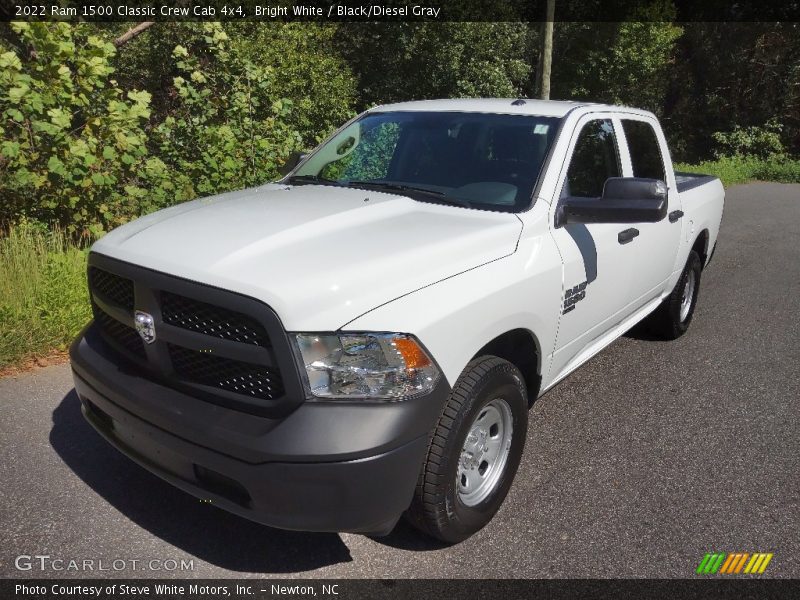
(43, 297)
(733, 170)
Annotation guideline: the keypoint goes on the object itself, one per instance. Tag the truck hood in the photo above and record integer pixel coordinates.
(320, 256)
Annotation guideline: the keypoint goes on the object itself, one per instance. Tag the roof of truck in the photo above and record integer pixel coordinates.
(524, 106)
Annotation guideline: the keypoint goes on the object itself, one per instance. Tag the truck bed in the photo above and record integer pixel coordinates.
(687, 181)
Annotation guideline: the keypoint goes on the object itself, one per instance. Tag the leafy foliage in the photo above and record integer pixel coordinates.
(411, 61)
(305, 66)
(307, 70)
(226, 130)
(80, 151)
(733, 74)
(73, 142)
(761, 142)
(733, 170)
(619, 63)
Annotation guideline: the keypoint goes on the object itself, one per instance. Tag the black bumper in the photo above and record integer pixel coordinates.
(323, 467)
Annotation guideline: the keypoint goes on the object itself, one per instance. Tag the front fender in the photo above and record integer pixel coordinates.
(456, 317)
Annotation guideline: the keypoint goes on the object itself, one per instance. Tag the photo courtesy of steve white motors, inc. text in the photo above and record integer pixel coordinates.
(170, 589)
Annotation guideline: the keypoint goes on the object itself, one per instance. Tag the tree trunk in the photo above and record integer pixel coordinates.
(132, 33)
(547, 51)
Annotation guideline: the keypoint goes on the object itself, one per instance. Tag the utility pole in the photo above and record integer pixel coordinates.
(547, 51)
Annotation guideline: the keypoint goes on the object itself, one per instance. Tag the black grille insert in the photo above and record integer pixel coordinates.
(208, 319)
(120, 333)
(114, 288)
(256, 381)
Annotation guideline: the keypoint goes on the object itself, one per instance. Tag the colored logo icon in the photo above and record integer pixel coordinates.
(734, 563)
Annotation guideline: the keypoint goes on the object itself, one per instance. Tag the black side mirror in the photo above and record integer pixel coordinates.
(295, 158)
(634, 188)
(624, 200)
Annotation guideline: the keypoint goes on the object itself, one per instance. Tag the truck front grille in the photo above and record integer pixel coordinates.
(223, 342)
(211, 320)
(231, 375)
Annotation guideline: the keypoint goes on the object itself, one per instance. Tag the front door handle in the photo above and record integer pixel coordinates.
(675, 215)
(627, 235)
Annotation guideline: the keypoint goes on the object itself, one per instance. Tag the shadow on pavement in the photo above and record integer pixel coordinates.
(405, 537)
(209, 533)
(642, 332)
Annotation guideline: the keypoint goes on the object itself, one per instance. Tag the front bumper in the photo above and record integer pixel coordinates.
(326, 466)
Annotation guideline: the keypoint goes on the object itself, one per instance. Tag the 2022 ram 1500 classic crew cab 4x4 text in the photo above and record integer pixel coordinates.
(363, 338)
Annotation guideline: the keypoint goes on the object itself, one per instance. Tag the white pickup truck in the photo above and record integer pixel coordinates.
(363, 338)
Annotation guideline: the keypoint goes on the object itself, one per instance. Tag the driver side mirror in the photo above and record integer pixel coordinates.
(624, 200)
(295, 158)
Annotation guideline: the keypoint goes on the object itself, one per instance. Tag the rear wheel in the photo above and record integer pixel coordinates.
(474, 453)
(673, 317)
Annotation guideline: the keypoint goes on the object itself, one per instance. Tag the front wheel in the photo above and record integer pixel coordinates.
(672, 318)
(474, 453)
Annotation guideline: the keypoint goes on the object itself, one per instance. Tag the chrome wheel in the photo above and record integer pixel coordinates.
(688, 296)
(485, 452)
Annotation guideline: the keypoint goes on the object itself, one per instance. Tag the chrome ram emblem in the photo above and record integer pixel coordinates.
(145, 326)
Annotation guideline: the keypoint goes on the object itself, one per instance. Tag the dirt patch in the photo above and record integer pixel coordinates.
(54, 357)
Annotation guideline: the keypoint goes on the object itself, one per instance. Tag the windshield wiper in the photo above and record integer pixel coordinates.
(401, 187)
(301, 179)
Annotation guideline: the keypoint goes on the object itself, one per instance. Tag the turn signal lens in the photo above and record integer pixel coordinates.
(412, 354)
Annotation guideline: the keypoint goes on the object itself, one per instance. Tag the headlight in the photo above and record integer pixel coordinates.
(365, 365)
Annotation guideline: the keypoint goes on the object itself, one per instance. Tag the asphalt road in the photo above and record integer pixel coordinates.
(651, 455)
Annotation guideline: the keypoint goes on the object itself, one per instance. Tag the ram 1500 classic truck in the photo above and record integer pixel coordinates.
(362, 339)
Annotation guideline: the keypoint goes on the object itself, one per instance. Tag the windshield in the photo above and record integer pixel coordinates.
(487, 161)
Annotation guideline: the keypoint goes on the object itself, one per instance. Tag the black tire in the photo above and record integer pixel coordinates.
(666, 321)
(437, 508)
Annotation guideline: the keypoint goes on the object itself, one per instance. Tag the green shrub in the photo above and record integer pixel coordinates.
(780, 170)
(73, 142)
(762, 142)
(78, 150)
(43, 296)
(733, 170)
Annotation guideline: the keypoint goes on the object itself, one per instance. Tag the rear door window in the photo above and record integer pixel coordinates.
(644, 149)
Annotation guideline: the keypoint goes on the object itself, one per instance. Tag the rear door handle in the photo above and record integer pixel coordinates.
(675, 215)
(627, 235)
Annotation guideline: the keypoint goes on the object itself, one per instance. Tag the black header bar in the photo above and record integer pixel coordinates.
(387, 589)
(398, 10)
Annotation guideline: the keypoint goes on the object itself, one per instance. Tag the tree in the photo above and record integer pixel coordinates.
(228, 128)
(729, 74)
(546, 59)
(411, 61)
(621, 63)
(302, 57)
